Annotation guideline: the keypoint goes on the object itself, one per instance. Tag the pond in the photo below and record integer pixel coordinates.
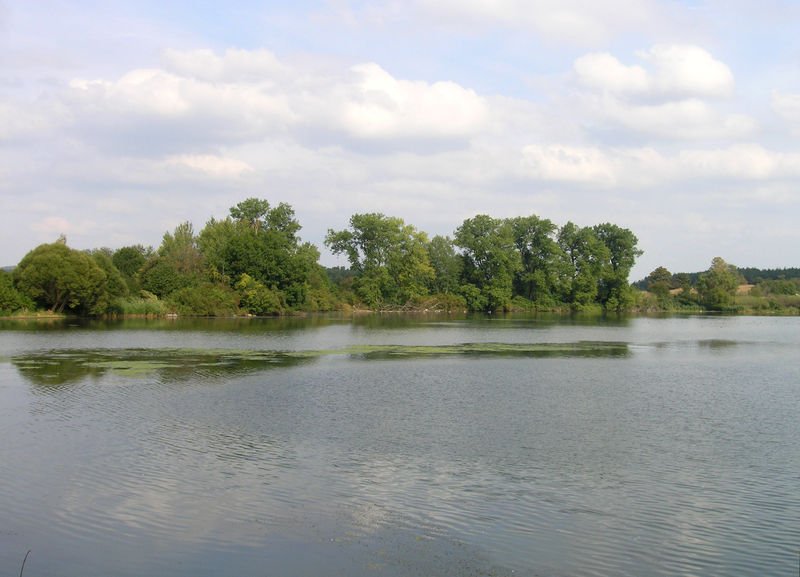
(401, 445)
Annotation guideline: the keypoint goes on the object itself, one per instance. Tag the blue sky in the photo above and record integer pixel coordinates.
(678, 120)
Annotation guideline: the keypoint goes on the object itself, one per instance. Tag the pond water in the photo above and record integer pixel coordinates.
(401, 445)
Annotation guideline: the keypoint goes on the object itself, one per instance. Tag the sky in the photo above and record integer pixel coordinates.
(676, 119)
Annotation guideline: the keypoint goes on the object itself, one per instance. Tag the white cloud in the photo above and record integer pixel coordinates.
(238, 97)
(678, 71)
(156, 110)
(210, 165)
(744, 161)
(604, 72)
(379, 106)
(684, 70)
(637, 168)
(673, 96)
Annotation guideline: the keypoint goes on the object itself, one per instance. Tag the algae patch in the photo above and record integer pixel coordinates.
(579, 349)
(57, 367)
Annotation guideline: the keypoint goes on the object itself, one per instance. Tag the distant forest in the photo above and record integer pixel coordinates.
(750, 275)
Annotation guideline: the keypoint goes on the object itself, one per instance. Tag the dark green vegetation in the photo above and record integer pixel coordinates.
(523, 263)
(254, 263)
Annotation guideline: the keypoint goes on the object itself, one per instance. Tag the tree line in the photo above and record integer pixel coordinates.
(723, 287)
(254, 262)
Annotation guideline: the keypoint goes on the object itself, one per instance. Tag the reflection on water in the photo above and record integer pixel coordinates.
(414, 446)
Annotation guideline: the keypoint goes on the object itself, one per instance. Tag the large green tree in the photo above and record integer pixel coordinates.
(262, 243)
(389, 257)
(446, 263)
(59, 278)
(614, 290)
(583, 257)
(534, 238)
(491, 262)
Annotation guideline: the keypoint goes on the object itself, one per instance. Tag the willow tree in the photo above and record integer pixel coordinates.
(61, 279)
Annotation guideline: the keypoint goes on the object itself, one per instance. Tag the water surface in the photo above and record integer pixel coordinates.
(401, 445)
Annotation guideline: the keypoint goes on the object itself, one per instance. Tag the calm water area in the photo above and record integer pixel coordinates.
(401, 445)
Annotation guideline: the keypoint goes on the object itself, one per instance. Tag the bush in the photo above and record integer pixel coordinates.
(206, 300)
(257, 299)
(139, 306)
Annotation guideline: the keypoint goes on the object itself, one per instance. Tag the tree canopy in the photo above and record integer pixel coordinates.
(59, 278)
(252, 261)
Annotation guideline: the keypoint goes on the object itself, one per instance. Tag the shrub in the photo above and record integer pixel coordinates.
(206, 300)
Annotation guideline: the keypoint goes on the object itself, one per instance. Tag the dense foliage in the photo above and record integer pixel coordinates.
(490, 264)
(253, 262)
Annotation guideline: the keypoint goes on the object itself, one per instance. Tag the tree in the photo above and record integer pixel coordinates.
(659, 282)
(180, 249)
(717, 287)
(160, 277)
(252, 212)
(538, 251)
(113, 287)
(390, 258)
(256, 298)
(10, 298)
(263, 244)
(446, 264)
(491, 262)
(614, 291)
(59, 278)
(583, 258)
(129, 259)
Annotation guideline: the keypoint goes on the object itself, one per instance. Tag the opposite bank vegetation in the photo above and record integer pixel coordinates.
(253, 262)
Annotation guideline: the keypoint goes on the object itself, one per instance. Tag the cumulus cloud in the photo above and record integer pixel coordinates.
(683, 70)
(678, 71)
(157, 110)
(673, 94)
(205, 99)
(379, 106)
